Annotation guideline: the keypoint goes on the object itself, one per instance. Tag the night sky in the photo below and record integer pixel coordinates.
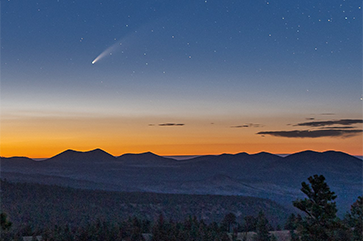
(184, 77)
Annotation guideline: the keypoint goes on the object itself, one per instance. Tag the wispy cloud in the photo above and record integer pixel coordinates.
(246, 125)
(171, 124)
(313, 133)
(241, 126)
(345, 122)
(337, 127)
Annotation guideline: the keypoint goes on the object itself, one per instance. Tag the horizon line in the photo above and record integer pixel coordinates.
(183, 156)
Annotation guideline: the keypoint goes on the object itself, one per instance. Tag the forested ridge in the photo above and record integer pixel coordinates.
(58, 213)
(43, 205)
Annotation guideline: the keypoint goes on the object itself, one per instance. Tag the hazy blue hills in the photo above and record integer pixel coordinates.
(260, 175)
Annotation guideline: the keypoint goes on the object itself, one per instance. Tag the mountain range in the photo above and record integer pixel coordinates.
(262, 175)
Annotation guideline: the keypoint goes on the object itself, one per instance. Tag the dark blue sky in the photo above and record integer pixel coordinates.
(197, 62)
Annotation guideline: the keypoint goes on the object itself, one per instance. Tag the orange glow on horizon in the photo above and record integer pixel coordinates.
(46, 137)
(46, 150)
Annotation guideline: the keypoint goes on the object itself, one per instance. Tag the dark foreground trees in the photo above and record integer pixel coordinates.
(229, 220)
(5, 223)
(190, 229)
(262, 228)
(355, 219)
(320, 221)
(131, 229)
(5, 227)
(320, 209)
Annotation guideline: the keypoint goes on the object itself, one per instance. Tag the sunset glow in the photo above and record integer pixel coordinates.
(190, 78)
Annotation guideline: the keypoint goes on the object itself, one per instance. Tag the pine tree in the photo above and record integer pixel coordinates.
(262, 228)
(294, 236)
(320, 221)
(273, 238)
(249, 223)
(290, 222)
(228, 220)
(5, 223)
(355, 219)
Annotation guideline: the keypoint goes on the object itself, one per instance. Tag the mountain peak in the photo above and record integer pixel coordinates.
(149, 153)
(145, 158)
(331, 152)
(263, 153)
(305, 153)
(143, 154)
(97, 151)
(326, 154)
(242, 154)
(17, 159)
(266, 155)
(77, 156)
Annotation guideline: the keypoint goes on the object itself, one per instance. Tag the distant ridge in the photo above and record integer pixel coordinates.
(330, 157)
(18, 159)
(300, 165)
(143, 154)
(100, 154)
(78, 156)
(15, 163)
(146, 158)
(262, 174)
(265, 154)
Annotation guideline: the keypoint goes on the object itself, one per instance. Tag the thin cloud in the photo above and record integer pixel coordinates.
(171, 124)
(327, 114)
(345, 122)
(247, 125)
(241, 126)
(312, 134)
(337, 127)
(311, 118)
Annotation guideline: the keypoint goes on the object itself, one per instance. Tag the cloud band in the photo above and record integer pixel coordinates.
(312, 134)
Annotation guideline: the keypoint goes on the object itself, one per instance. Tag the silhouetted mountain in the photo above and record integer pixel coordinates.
(17, 159)
(331, 164)
(240, 165)
(261, 175)
(266, 156)
(145, 159)
(71, 156)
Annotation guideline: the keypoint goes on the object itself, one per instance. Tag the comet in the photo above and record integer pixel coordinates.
(107, 52)
(124, 43)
